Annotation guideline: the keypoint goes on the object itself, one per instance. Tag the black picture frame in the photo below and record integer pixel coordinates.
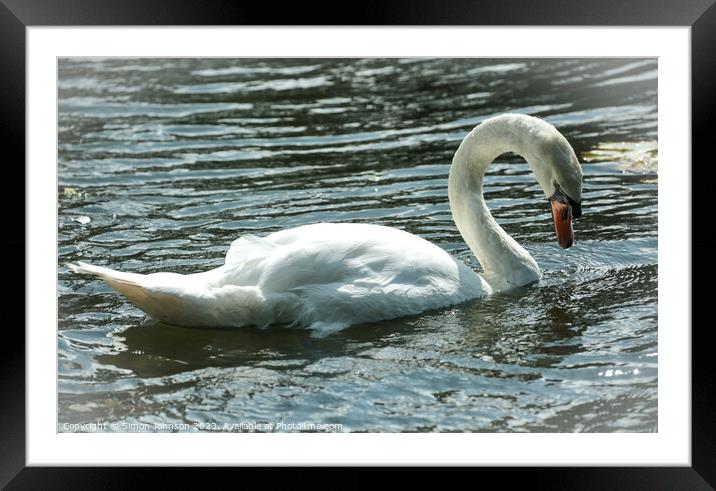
(700, 15)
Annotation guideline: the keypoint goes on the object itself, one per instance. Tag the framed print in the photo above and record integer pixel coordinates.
(438, 237)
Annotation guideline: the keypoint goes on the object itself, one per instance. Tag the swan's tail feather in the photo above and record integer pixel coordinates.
(135, 288)
(100, 271)
(110, 276)
(186, 300)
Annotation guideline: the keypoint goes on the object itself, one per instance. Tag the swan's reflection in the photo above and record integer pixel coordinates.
(158, 349)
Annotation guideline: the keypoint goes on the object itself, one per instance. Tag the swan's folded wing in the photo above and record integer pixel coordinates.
(249, 248)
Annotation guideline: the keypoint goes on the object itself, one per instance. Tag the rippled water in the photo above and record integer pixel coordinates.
(163, 162)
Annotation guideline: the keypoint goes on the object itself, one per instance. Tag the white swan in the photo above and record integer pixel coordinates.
(331, 275)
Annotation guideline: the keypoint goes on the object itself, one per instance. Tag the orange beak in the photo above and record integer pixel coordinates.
(562, 214)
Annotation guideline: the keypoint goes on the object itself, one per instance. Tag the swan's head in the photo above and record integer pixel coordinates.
(560, 176)
(547, 152)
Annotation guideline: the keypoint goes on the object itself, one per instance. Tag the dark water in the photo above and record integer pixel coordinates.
(163, 162)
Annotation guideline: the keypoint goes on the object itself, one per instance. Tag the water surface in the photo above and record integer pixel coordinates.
(164, 162)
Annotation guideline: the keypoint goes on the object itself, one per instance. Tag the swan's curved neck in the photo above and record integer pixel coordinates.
(506, 264)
